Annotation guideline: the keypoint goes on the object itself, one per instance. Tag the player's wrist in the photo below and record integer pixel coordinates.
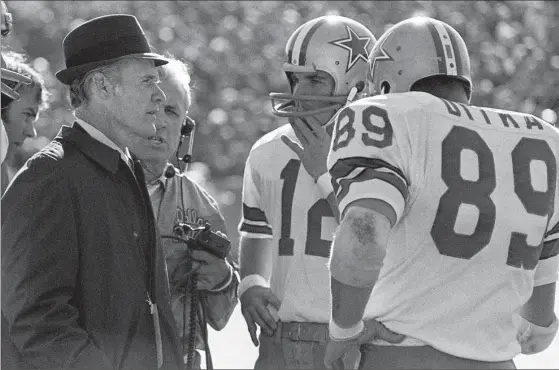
(534, 338)
(338, 334)
(252, 280)
(324, 183)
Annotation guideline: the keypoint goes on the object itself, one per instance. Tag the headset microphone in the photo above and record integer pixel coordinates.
(187, 129)
(169, 171)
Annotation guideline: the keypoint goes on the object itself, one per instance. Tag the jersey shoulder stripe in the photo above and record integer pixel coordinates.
(357, 178)
(553, 233)
(347, 171)
(550, 249)
(343, 167)
(550, 243)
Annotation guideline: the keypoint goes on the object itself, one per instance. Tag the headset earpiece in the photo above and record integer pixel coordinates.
(187, 126)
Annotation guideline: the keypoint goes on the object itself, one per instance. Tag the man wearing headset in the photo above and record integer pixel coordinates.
(180, 205)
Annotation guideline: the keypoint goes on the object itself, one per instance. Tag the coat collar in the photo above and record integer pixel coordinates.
(105, 156)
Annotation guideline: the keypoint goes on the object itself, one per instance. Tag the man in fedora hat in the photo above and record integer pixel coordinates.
(83, 277)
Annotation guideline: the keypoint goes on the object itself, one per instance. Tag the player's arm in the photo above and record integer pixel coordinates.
(371, 189)
(539, 310)
(256, 256)
(538, 321)
(358, 252)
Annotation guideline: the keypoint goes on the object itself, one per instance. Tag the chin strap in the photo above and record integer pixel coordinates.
(353, 93)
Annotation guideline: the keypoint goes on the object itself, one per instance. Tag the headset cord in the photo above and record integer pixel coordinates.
(204, 327)
(192, 322)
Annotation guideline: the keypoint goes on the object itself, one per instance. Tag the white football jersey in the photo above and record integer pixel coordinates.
(472, 195)
(282, 202)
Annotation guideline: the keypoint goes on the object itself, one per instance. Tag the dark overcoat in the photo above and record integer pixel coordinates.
(80, 255)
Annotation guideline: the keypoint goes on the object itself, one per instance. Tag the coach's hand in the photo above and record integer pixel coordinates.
(335, 350)
(254, 306)
(211, 270)
(315, 144)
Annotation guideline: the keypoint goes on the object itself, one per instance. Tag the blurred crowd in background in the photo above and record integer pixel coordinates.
(235, 52)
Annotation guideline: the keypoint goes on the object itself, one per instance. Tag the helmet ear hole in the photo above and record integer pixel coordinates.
(384, 87)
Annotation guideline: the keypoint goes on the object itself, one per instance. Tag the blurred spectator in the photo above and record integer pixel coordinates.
(83, 276)
(200, 282)
(19, 116)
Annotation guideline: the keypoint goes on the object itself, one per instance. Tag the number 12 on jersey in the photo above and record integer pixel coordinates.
(314, 244)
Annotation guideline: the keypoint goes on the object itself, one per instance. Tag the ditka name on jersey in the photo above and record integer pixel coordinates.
(506, 119)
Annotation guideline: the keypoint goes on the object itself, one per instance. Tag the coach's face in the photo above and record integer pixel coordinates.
(163, 144)
(135, 100)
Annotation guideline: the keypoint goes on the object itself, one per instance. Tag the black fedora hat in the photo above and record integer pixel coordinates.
(102, 41)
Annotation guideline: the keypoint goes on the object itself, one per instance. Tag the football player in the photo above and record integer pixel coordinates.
(449, 214)
(287, 221)
(8, 94)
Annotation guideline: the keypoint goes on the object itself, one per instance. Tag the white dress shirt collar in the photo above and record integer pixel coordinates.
(99, 136)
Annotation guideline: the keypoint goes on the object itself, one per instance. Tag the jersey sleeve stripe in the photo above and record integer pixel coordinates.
(254, 229)
(345, 166)
(375, 188)
(255, 223)
(550, 249)
(552, 234)
(547, 271)
(368, 174)
(254, 214)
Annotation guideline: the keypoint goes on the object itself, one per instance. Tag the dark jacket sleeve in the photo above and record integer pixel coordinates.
(40, 260)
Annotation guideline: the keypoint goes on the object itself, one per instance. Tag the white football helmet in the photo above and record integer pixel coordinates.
(414, 49)
(336, 45)
(12, 78)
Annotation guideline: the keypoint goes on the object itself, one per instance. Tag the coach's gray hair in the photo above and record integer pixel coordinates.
(79, 89)
(179, 70)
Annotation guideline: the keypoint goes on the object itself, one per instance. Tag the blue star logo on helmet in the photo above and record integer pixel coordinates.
(356, 45)
(378, 54)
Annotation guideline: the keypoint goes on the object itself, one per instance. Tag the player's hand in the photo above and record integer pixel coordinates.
(210, 269)
(315, 144)
(255, 302)
(335, 350)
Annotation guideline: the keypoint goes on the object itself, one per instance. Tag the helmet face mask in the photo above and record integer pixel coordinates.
(7, 75)
(334, 45)
(295, 104)
(415, 49)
